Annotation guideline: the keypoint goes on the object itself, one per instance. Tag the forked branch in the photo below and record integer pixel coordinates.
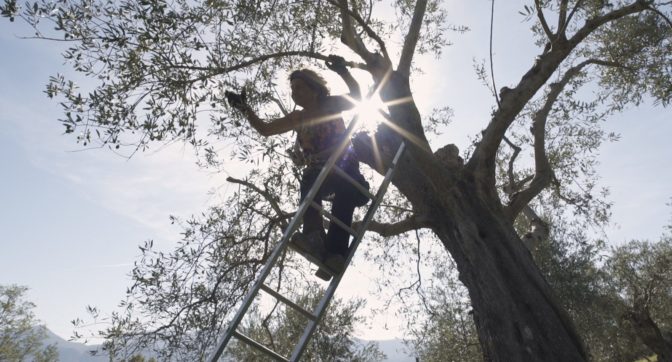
(513, 100)
(349, 36)
(347, 15)
(539, 230)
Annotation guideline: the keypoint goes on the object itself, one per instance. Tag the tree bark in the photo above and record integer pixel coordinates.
(649, 333)
(516, 314)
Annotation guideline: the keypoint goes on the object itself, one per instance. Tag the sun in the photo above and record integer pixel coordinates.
(368, 111)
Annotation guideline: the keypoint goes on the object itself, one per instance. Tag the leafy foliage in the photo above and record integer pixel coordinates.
(281, 328)
(21, 338)
(642, 277)
(160, 64)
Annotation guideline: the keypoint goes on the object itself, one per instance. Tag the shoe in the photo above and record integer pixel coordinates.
(323, 274)
(311, 246)
(335, 262)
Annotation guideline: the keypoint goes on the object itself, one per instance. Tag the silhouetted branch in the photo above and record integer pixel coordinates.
(392, 229)
(411, 40)
(266, 195)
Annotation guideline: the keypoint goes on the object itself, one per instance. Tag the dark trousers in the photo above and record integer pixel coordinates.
(346, 198)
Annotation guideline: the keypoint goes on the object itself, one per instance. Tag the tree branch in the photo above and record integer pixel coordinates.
(259, 59)
(391, 229)
(653, 9)
(492, 63)
(282, 107)
(542, 20)
(411, 40)
(512, 187)
(562, 17)
(345, 12)
(349, 36)
(271, 200)
(514, 100)
(543, 171)
(571, 15)
(539, 229)
(211, 297)
(594, 23)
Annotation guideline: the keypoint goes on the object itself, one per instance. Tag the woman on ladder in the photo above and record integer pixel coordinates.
(320, 129)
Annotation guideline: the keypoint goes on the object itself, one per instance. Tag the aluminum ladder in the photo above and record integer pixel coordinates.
(315, 316)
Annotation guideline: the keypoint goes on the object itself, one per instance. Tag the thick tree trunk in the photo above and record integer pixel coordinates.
(516, 314)
(649, 333)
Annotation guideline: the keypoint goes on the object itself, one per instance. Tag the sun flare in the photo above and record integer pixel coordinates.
(368, 111)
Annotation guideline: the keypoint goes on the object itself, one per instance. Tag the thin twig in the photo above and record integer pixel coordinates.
(492, 68)
(271, 200)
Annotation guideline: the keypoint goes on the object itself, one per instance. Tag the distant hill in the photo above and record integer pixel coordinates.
(394, 349)
(71, 351)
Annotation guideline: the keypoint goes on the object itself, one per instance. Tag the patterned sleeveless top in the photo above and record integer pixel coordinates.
(315, 137)
(322, 131)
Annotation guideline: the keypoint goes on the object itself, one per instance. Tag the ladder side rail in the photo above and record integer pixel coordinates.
(293, 225)
(251, 294)
(312, 325)
(328, 295)
(382, 190)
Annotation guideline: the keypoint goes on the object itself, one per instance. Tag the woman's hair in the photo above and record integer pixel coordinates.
(312, 79)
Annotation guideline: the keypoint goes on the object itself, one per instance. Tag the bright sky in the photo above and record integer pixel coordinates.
(72, 220)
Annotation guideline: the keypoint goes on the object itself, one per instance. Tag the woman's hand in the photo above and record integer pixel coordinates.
(237, 101)
(337, 64)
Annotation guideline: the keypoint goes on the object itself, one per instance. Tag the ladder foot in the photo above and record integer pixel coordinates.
(335, 263)
(311, 246)
(323, 274)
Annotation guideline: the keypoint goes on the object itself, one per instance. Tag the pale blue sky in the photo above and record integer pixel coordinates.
(72, 221)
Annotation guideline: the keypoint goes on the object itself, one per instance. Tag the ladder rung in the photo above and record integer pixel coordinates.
(288, 302)
(334, 218)
(354, 183)
(252, 343)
